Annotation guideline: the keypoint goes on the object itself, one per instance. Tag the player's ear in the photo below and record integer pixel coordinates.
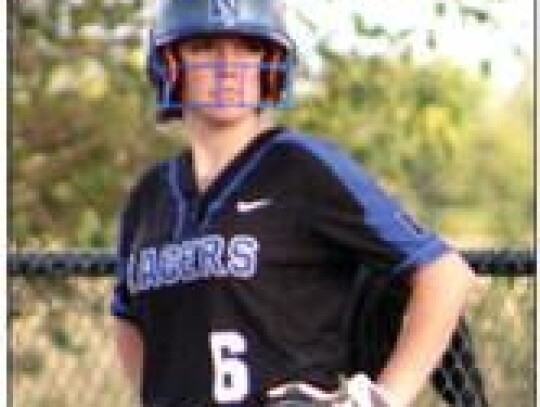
(175, 70)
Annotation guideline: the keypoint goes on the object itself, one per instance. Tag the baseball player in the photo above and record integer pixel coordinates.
(238, 256)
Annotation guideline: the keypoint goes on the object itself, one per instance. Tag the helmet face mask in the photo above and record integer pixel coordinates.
(179, 21)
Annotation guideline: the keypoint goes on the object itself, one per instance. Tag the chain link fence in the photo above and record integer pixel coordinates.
(62, 348)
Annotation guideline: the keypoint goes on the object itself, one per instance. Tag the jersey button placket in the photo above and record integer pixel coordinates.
(193, 218)
(204, 224)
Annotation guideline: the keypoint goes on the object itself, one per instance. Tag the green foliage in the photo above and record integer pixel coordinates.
(82, 125)
(29, 362)
(62, 339)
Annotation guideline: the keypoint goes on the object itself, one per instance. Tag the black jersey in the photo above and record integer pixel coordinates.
(248, 284)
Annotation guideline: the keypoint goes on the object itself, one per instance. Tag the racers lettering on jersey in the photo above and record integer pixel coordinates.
(202, 258)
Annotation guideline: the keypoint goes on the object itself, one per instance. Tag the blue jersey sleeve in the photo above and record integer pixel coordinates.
(348, 208)
(388, 228)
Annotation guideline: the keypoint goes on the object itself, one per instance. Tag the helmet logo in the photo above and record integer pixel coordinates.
(223, 12)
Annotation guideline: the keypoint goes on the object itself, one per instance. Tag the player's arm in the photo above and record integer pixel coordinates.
(129, 341)
(129, 346)
(438, 294)
(349, 209)
(128, 338)
(439, 291)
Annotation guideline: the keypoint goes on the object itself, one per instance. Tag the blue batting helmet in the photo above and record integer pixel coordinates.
(178, 20)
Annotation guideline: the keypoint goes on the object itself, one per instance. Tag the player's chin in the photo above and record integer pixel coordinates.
(227, 114)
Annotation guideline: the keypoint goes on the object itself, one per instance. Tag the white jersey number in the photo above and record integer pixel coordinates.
(231, 374)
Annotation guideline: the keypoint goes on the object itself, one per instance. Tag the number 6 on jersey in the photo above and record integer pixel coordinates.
(231, 374)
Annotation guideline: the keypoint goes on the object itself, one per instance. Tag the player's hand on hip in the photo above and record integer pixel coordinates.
(360, 391)
(357, 391)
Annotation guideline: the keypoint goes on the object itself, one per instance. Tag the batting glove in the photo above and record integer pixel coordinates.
(357, 391)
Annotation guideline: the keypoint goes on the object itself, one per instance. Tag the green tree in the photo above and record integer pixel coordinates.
(83, 120)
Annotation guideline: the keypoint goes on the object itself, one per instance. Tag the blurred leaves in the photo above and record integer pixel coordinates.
(362, 29)
(440, 9)
(479, 14)
(63, 353)
(506, 340)
(83, 122)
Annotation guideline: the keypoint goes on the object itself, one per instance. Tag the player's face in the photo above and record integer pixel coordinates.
(222, 77)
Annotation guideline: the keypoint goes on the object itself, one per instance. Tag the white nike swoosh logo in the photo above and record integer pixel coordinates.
(243, 206)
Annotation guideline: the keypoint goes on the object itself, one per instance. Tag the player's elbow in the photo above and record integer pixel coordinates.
(449, 275)
(129, 345)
